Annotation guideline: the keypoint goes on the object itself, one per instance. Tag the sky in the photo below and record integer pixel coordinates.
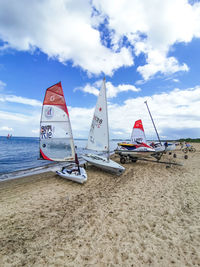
(146, 50)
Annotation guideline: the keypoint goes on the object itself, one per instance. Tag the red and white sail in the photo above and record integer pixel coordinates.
(56, 139)
(138, 135)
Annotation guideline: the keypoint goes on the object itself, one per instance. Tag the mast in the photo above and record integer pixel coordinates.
(108, 152)
(153, 121)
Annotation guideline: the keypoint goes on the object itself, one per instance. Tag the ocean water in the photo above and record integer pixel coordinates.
(21, 153)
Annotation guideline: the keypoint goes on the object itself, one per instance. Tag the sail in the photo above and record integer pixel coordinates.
(138, 135)
(99, 136)
(56, 139)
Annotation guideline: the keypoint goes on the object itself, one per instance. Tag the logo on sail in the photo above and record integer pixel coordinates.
(96, 122)
(49, 112)
(46, 131)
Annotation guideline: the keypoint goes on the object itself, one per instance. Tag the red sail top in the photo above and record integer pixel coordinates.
(138, 125)
(54, 96)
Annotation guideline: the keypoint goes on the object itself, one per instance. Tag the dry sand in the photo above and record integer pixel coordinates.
(149, 216)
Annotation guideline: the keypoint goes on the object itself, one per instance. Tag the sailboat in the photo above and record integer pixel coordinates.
(98, 139)
(138, 147)
(138, 135)
(56, 139)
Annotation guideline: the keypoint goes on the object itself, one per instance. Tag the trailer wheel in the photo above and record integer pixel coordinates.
(186, 157)
(85, 166)
(134, 160)
(174, 155)
(122, 160)
(185, 150)
(193, 149)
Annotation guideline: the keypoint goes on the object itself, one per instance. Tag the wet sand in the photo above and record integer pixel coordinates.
(149, 216)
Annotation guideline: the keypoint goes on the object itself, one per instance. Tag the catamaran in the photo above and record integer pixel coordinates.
(138, 135)
(98, 139)
(56, 139)
(138, 147)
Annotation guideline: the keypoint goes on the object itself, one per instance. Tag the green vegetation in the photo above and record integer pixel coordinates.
(189, 140)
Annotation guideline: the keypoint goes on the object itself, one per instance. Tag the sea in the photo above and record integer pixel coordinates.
(20, 155)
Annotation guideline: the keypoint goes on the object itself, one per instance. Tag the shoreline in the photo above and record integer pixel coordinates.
(49, 167)
(148, 216)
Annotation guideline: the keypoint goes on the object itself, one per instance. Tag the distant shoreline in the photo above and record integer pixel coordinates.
(188, 139)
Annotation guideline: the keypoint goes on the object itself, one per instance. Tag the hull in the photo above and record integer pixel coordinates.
(171, 147)
(74, 175)
(103, 163)
(135, 150)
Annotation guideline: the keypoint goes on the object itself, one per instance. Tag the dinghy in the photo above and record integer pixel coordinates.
(56, 139)
(98, 139)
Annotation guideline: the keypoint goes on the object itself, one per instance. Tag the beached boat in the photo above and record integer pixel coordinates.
(56, 139)
(138, 134)
(138, 148)
(98, 139)
(76, 174)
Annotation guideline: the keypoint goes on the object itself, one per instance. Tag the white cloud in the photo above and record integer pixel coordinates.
(176, 80)
(68, 30)
(153, 27)
(15, 117)
(21, 100)
(21, 118)
(173, 112)
(118, 133)
(5, 128)
(176, 114)
(112, 91)
(63, 30)
(36, 131)
(2, 85)
(157, 62)
(22, 124)
(88, 89)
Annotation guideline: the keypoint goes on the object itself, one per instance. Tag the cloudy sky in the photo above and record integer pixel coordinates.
(147, 50)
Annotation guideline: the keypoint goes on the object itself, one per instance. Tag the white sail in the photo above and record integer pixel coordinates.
(99, 133)
(56, 139)
(138, 135)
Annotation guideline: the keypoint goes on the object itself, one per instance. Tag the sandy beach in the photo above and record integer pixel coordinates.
(149, 216)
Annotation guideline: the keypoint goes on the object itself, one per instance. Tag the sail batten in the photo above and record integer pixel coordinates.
(56, 139)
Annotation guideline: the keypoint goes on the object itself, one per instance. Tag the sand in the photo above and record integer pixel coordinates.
(149, 216)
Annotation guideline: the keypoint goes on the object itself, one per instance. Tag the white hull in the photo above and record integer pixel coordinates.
(103, 163)
(162, 148)
(159, 148)
(171, 147)
(74, 176)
